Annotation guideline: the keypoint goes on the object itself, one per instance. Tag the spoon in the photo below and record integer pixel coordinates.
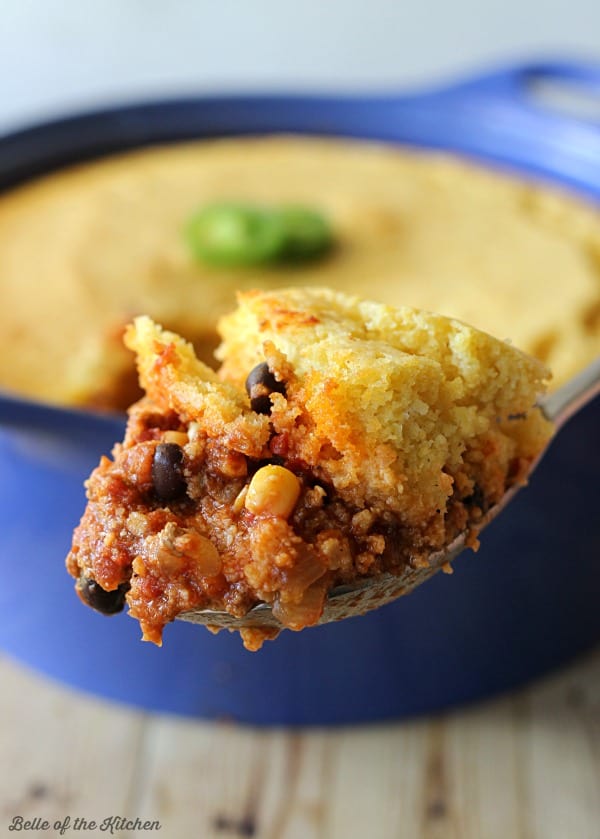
(349, 601)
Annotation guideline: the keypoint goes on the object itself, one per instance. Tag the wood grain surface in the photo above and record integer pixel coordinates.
(525, 766)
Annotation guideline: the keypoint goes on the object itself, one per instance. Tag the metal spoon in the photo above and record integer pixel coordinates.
(349, 601)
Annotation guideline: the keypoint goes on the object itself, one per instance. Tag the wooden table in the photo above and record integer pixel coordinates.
(525, 766)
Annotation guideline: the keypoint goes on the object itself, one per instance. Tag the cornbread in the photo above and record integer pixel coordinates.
(340, 439)
(91, 247)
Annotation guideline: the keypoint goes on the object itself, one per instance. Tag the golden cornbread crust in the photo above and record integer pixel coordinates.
(395, 430)
(93, 246)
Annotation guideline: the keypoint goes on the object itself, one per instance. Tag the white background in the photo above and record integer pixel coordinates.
(58, 56)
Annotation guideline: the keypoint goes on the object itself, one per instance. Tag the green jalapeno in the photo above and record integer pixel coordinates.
(235, 234)
(230, 234)
(307, 233)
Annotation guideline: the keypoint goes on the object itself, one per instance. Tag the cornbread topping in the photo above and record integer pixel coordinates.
(91, 247)
(339, 439)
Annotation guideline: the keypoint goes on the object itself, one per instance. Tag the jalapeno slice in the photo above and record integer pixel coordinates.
(307, 233)
(229, 234)
(235, 234)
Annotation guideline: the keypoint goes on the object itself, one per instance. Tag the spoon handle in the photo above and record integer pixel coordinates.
(577, 392)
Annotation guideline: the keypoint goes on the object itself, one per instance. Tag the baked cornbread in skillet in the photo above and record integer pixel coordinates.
(91, 247)
(339, 439)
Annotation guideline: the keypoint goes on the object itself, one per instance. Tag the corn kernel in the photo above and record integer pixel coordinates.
(273, 491)
(138, 566)
(178, 437)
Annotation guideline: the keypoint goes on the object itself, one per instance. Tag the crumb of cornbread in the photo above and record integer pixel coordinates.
(396, 430)
(393, 405)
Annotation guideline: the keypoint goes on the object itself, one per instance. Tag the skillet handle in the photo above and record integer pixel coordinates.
(552, 90)
(544, 116)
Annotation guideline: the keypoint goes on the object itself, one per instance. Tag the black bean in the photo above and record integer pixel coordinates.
(107, 602)
(259, 385)
(167, 471)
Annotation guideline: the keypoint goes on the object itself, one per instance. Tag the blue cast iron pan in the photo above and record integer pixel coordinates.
(528, 602)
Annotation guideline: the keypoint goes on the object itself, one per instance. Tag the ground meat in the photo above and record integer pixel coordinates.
(167, 528)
